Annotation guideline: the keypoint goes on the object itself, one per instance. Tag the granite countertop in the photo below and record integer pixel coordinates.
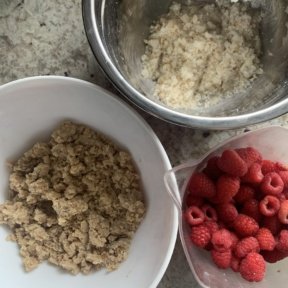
(47, 38)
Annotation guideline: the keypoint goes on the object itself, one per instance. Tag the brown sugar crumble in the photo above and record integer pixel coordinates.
(76, 202)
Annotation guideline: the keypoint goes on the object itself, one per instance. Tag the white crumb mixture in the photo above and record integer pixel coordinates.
(76, 202)
(196, 55)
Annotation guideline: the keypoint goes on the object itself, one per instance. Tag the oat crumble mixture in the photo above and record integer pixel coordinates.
(198, 55)
(76, 202)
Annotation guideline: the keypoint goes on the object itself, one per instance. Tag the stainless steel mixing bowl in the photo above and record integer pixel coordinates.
(116, 31)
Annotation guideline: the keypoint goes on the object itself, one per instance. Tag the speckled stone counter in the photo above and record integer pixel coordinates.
(47, 37)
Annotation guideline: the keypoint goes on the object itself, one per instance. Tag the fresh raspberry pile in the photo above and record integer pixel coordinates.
(237, 208)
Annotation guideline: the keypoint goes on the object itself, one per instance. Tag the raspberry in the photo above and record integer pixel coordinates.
(284, 177)
(272, 184)
(192, 200)
(222, 259)
(212, 170)
(244, 193)
(200, 235)
(283, 212)
(235, 240)
(281, 167)
(245, 226)
(212, 226)
(226, 187)
(235, 263)
(252, 267)
(249, 155)
(274, 256)
(227, 212)
(272, 223)
(221, 240)
(201, 185)
(209, 213)
(254, 174)
(251, 208)
(231, 163)
(282, 244)
(268, 166)
(245, 246)
(194, 216)
(265, 239)
(269, 205)
(241, 208)
(284, 195)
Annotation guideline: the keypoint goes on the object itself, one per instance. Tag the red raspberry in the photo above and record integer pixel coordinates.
(284, 177)
(244, 193)
(254, 174)
(222, 259)
(245, 226)
(283, 196)
(281, 167)
(272, 223)
(212, 226)
(194, 216)
(268, 166)
(235, 263)
(282, 244)
(192, 200)
(265, 239)
(283, 212)
(200, 235)
(251, 208)
(235, 240)
(201, 185)
(269, 205)
(274, 256)
(285, 193)
(272, 184)
(221, 240)
(249, 155)
(227, 212)
(209, 213)
(252, 267)
(212, 169)
(226, 187)
(222, 225)
(231, 163)
(245, 246)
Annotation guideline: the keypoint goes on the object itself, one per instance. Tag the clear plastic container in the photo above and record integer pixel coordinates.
(272, 142)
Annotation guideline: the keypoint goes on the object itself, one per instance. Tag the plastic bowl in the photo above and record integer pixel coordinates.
(272, 144)
(29, 110)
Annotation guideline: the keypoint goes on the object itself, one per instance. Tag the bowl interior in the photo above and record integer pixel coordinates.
(271, 144)
(29, 111)
(123, 26)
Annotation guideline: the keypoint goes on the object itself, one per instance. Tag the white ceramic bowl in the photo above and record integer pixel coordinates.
(271, 142)
(29, 110)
